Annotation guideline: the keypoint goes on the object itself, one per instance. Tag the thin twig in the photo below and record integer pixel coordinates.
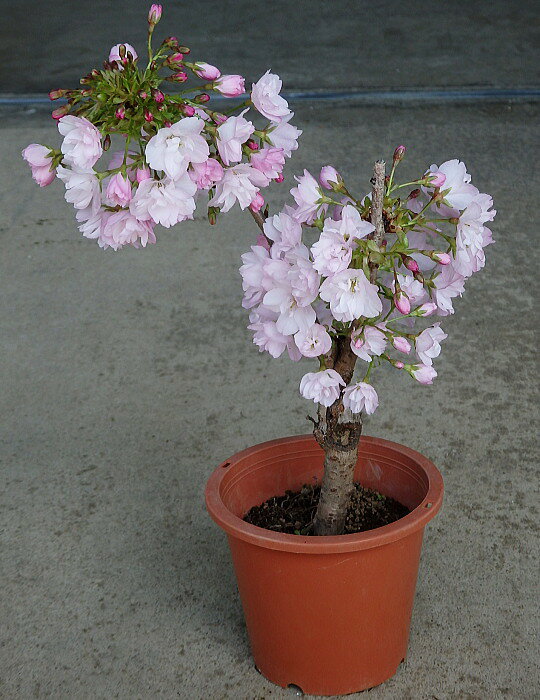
(377, 203)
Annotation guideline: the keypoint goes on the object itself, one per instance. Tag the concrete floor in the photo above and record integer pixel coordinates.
(126, 378)
(118, 402)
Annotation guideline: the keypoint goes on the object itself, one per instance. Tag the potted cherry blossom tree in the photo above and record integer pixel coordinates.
(353, 282)
(325, 530)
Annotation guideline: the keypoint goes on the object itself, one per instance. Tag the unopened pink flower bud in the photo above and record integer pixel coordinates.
(329, 176)
(399, 153)
(179, 77)
(206, 71)
(220, 118)
(158, 96)
(442, 258)
(258, 202)
(60, 112)
(426, 309)
(143, 95)
(230, 85)
(175, 59)
(253, 145)
(202, 98)
(56, 94)
(401, 344)
(187, 110)
(414, 194)
(154, 14)
(167, 123)
(403, 305)
(410, 263)
(120, 113)
(142, 174)
(279, 178)
(399, 364)
(436, 179)
(148, 115)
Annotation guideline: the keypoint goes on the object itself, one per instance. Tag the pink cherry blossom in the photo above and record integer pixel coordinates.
(173, 148)
(230, 85)
(351, 295)
(206, 174)
(349, 226)
(412, 288)
(329, 175)
(230, 137)
(255, 280)
(285, 136)
(82, 142)
(461, 192)
(284, 230)
(114, 53)
(368, 341)
(268, 338)
(266, 98)
(82, 189)
(321, 387)
(269, 161)
(142, 174)
(424, 374)
(122, 228)
(331, 253)
(307, 196)
(118, 190)
(166, 202)
(314, 341)
(40, 162)
(240, 183)
(428, 343)
(206, 71)
(360, 397)
(401, 344)
(427, 309)
(448, 284)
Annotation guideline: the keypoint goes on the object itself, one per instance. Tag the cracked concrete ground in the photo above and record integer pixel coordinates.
(127, 377)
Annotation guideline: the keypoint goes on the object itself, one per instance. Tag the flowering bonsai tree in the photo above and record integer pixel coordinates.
(360, 285)
(174, 146)
(342, 278)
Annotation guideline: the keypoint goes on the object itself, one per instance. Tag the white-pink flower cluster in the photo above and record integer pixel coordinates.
(229, 159)
(304, 299)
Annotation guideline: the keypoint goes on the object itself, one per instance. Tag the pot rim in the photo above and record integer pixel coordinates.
(326, 544)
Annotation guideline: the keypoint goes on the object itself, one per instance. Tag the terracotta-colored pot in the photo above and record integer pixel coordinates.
(330, 615)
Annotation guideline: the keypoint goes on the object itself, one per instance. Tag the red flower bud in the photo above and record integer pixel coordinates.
(252, 145)
(179, 77)
(148, 115)
(158, 96)
(203, 97)
(154, 14)
(187, 110)
(399, 154)
(120, 113)
(56, 94)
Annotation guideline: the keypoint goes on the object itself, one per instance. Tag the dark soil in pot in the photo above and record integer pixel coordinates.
(293, 513)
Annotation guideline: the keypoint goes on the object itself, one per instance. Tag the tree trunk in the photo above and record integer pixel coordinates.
(341, 454)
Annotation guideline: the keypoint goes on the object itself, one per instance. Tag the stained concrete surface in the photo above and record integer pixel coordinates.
(311, 44)
(127, 377)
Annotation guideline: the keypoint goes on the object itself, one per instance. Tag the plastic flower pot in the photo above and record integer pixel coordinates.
(329, 615)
